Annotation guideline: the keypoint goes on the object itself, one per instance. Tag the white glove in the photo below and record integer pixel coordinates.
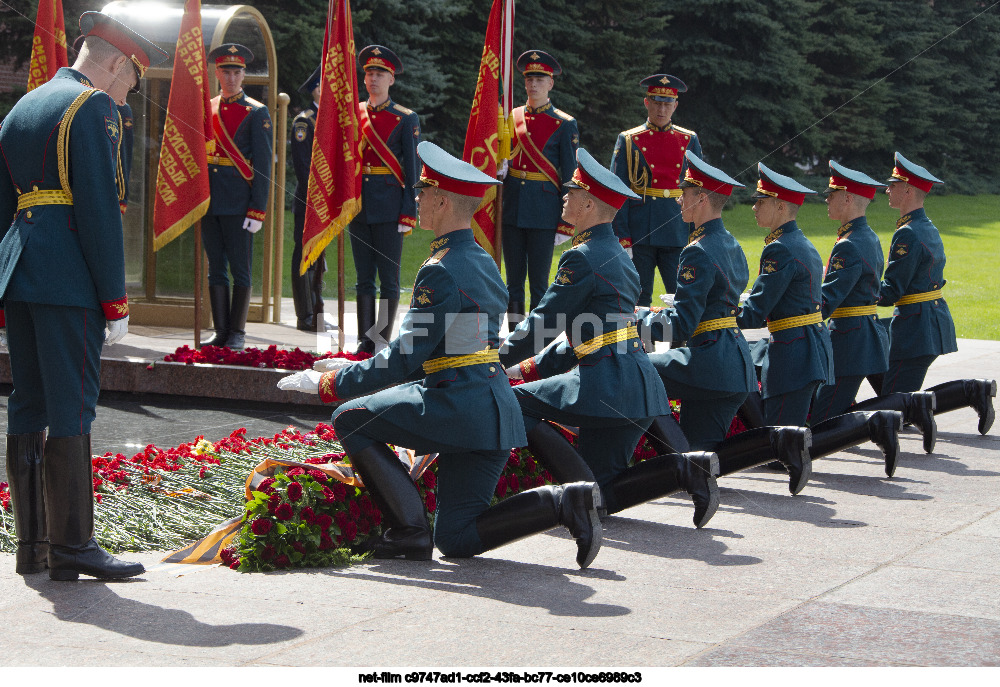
(561, 238)
(331, 364)
(744, 297)
(3, 337)
(514, 372)
(116, 331)
(668, 299)
(502, 170)
(306, 381)
(403, 228)
(252, 225)
(628, 252)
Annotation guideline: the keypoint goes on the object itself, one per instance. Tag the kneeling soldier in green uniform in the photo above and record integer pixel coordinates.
(62, 283)
(462, 407)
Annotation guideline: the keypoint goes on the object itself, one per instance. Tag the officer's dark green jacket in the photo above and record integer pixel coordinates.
(916, 265)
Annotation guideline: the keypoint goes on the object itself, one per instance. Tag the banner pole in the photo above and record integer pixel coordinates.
(341, 341)
(197, 285)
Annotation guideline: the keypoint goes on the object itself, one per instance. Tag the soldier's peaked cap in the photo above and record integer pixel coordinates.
(592, 176)
(231, 55)
(380, 57)
(663, 87)
(701, 174)
(774, 185)
(143, 53)
(448, 173)
(538, 62)
(851, 180)
(913, 174)
(312, 82)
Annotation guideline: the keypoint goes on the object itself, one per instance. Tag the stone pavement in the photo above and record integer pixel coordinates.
(858, 570)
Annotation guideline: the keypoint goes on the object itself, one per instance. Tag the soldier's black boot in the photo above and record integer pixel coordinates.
(24, 475)
(850, 429)
(665, 435)
(68, 484)
(661, 476)
(366, 323)
(917, 408)
(977, 394)
(302, 299)
(557, 455)
(218, 296)
(790, 446)
(317, 284)
(515, 314)
(751, 413)
(238, 318)
(536, 510)
(387, 319)
(408, 533)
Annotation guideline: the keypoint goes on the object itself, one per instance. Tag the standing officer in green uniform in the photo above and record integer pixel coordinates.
(461, 405)
(650, 159)
(60, 188)
(307, 289)
(239, 173)
(599, 378)
(390, 133)
(921, 328)
(714, 372)
(542, 159)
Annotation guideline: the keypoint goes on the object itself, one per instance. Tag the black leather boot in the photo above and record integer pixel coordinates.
(24, 475)
(977, 394)
(515, 314)
(366, 323)
(406, 531)
(751, 413)
(537, 510)
(302, 299)
(661, 476)
(317, 284)
(238, 318)
(917, 408)
(218, 297)
(68, 483)
(387, 319)
(665, 435)
(787, 445)
(557, 455)
(850, 429)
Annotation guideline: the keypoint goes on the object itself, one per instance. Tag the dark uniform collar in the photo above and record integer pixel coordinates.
(528, 109)
(919, 213)
(451, 239)
(73, 74)
(709, 227)
(595, 232)
(785, 228)
(653, 127)
(231, 99)
(848, 227)
(378, 108)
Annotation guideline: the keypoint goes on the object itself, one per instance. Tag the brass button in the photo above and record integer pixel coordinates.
(492, 369)
(28, 214)
(522, 183)
(34, 188)
(644, 150)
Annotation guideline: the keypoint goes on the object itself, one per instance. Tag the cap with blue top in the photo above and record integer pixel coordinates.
(701, 174)
(774, 185)
(913, 174)
(592, 176)
(446, 172)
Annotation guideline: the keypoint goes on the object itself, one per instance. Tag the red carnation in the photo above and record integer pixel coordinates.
(293, 472)
(266, 484)
(354, 510)
(350, 531)
(307, 515)
(430, 479)
(431, 502)
(325, 542)
(283, 512)
(235, 565)
(329, 495)
(366, 505)
(324, 521)
(299, 546)
(282, 561)
(272, 503)
(319, 476)
(261, 526)
(513, 483)
(294, 491)
(364, 525)
(268, 553)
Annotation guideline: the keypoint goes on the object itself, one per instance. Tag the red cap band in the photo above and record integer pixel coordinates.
(768, 189)
(602, 193)
(463, 188)
(693, 176)
(912, 179)
(122, 41)
(842, 184)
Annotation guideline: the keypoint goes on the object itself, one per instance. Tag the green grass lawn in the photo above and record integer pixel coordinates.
(969, 225)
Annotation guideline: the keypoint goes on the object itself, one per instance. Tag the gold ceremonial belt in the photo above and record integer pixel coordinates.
(658, 192)
(712, 325)
(799, 321)
(33, 198)
(487, 355)
(856, 311)
(221, 160)
(375, 170)
(905, 300)
(531, 176)
(606, 339)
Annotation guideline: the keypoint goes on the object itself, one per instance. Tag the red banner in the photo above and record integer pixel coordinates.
(487, 138)
(334, 195)
(48, 47)
(182, 191)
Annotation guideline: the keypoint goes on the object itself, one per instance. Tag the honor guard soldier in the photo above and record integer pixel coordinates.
(921, 328)
(60, 190)
(599, 378)
(650, 159)
(307, 289)
(462, 407)
(239, 174)
(390, 133)
(543, 157)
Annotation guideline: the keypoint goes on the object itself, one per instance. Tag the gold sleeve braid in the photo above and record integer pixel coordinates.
(120, 179)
